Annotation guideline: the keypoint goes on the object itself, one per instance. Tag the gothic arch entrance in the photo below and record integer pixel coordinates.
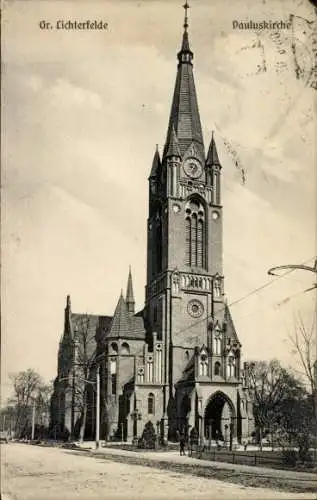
(219, 417)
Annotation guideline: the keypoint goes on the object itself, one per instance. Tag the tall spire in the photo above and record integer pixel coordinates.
(130, 295)
(184, 114)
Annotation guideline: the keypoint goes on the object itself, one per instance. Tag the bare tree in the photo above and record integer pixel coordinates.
(26, 386)
(303, 342)
(85, 358)
(271, 385)
(43, 402)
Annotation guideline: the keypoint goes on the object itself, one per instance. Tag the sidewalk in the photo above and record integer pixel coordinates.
(173, 456)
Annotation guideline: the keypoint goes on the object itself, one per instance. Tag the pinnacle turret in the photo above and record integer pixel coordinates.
(68, 328)
(156, 164)
(212, 156)
(173, 146)
(130, 295)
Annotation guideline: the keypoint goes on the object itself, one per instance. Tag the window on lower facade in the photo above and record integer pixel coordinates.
(151, 404)
(114, 384)
(217, 368)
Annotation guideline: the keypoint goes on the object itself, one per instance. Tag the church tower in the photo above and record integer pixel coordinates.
(185, 304)
(176, 364)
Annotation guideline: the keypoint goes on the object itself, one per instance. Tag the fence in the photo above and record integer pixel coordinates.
(271, 459)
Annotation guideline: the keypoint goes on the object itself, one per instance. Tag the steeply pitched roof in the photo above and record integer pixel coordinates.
(156, 164)
(120, 321)
(231, 331)
(173, 146)
(125, 325)
(184, 114)
(189, 370)
(212, 156)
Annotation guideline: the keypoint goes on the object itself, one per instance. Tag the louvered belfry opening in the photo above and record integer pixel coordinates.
(195, 234)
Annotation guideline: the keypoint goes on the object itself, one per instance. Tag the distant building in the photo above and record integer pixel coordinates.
(177, 362)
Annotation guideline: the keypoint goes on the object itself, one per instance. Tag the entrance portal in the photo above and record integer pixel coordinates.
(219, 417)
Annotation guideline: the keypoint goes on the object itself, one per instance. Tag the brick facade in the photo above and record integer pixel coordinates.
(177, 363)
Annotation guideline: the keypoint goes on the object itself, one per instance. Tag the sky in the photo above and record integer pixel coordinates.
(82, 113)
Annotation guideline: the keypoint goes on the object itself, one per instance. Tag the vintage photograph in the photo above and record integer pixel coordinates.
(159, 249)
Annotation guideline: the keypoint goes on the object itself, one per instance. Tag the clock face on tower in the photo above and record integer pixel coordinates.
(193, 168)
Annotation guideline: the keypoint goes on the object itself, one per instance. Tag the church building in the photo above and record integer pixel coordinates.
(176, 363)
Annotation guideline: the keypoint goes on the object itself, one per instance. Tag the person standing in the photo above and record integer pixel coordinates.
(182, 445)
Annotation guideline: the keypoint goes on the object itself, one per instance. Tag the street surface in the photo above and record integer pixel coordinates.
(38, 473)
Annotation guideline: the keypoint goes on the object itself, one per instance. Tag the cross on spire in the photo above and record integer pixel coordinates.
(186, 7)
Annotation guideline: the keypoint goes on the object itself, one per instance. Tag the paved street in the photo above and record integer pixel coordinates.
(32, 472)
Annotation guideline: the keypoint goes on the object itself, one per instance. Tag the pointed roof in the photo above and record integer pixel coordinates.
(130, 295)
(124, 324)
(68, 327)
(185, 45)
(212, 156)
(156, 163)
(120, 322)
(184, 116)
(173, 146)
(231, 331)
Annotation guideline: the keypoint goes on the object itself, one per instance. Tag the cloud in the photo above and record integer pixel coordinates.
(65, 95)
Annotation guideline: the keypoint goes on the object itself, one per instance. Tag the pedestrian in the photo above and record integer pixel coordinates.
(182, 445)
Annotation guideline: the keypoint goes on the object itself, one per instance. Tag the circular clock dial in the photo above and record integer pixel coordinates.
(176, 208)
(193, 168)
(195, 308)
(215, 215)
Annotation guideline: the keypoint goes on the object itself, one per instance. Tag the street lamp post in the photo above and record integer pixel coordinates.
(93, 382)
(231, 435)
(135, 415)
(98, 407)
(226, 435)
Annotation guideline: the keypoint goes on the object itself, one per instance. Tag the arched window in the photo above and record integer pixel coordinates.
(217, 288)
(141, 375)
(125, 349)
(151, 404)
(203, 366)
(217, 340)
(149, 367)
(216, 188)
(217, 368)
(158, 240)
(113, 372)
(186, 355)
(114, 348)
(195, 234)
(231, 366)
